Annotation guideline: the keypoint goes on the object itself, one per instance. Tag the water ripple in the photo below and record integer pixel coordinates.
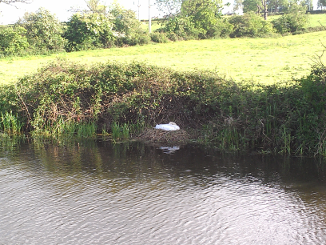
(44, 207)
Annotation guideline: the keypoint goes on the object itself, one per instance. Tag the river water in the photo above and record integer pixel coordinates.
(101, 193)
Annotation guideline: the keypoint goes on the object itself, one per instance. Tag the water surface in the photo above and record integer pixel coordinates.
(99, 193)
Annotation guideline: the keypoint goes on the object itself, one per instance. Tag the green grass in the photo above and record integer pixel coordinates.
(317, 20)
(265, 60)
(155, 25)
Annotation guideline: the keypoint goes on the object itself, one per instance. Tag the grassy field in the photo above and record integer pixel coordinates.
(264, 60)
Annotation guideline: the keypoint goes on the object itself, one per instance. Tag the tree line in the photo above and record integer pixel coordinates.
(101, 26)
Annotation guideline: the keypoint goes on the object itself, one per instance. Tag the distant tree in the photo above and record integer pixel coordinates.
(237, 5)
(321, 3)
(87, 31)
(257, 6)
(93, 6)
(169, 7)
(12, 40)
(275, 6)
(203, 13)
(43, 30)
(309, 4)
(294, 19)
(250, 6)
(124, 21)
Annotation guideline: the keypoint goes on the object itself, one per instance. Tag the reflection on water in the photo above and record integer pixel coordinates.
(96, 193)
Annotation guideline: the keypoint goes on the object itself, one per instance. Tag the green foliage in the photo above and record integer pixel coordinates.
(203, 13)
(89, 31)
(10, 124)
(159, 37)
(168, 7)
(222, 28)
(67, 98)
(43, 30)
(251, 5)
(135, 38)
(250, 25)
(120, 132)
(182, 27)
(124, 21)
(12, 40)
(292, 21)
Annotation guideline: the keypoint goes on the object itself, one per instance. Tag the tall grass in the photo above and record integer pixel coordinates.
(10, 124)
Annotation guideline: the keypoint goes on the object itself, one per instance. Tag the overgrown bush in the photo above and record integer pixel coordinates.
(89, 31)
(293, 20)
(250, 25)
(159, 37)
(136, 38)
(124, 21)
(222, 28)
(12, 40)
(182, 27)
(43, 31)
(287, 119)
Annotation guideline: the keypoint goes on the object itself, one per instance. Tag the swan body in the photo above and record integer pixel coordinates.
(171, 126)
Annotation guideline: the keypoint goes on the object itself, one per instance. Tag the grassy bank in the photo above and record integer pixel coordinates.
(72, 99)
(263, 60)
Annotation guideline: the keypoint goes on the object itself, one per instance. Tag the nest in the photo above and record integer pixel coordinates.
(161, 136)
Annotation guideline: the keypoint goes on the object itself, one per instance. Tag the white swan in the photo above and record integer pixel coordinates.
(171, 126)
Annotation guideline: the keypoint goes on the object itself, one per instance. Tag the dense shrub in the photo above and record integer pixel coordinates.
(159, 37)
(222, 28)
(135, 38)
(124, 21)
(250, 25)
(278, 119)
(12, 40)
(182, 27)
(43, 31)
(88, 31)
(293, 20)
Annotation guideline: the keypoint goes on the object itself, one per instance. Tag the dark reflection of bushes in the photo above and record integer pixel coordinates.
(138, 162)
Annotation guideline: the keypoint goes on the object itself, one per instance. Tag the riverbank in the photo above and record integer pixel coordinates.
(121, 100)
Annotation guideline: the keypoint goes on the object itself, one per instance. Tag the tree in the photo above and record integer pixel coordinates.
(203, 13)
(86, 31)
(169, 7)
(294, 19)
(237, 5)
(321, 4)
(278, 5)
(12, 40)
(93, 6)
(258, 6)
(43, 30)
(124, 21)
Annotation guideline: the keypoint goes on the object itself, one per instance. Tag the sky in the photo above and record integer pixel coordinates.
(11, 14)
